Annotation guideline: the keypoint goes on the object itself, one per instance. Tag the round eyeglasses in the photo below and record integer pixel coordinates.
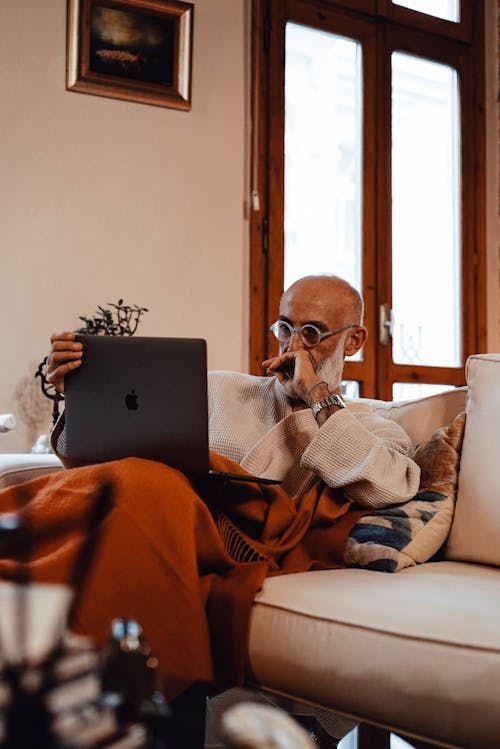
(309, 334)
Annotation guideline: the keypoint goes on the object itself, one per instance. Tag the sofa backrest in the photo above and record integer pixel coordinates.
(421, 417)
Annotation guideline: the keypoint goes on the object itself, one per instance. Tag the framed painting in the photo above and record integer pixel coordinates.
(139, 50)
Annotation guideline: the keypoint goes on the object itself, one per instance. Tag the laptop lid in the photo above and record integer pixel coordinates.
(139, 396)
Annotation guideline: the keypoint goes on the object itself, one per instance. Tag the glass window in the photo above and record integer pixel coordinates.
(350, 389)
(350, 741)
(447, 9)
(396, 742)
(405, 391)
(323, 141)
(426, 255)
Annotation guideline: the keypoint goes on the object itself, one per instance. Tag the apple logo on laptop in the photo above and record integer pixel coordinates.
(131, 400)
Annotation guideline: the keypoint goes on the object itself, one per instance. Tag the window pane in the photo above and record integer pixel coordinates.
(350, 389)
(405, 391)
(425, 213)
(447, 9)
(323, 120)
(350, 741)
(398, 743)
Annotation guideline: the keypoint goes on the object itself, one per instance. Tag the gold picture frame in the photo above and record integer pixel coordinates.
(138, 50)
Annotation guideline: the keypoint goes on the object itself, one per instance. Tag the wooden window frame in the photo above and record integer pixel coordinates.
(462, 29)
(427, 38)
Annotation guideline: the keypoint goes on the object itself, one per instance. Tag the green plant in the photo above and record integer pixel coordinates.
(121, 319)
(113, 319)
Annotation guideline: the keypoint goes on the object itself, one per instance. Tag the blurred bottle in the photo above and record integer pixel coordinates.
(131, 669)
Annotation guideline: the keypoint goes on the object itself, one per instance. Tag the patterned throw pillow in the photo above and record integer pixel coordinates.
(412, 532)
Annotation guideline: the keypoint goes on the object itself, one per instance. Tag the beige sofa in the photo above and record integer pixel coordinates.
(417, 651)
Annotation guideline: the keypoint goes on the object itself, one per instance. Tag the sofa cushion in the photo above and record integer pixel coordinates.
(18, 467)
(421, 417)
(401, 650)
(475, 531)
(410, 533)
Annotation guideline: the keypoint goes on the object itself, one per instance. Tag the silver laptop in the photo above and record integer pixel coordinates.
(141, 397)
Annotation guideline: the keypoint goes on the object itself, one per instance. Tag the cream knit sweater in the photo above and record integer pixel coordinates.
(252, 422)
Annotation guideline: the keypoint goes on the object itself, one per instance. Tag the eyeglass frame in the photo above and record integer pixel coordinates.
(299, 328)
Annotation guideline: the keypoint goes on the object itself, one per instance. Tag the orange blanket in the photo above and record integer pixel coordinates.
(135, 540)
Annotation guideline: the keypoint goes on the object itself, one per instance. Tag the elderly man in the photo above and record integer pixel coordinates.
(282, 426)
(185, 559)
(295, 425)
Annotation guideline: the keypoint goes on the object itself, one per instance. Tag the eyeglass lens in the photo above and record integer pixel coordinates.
(309, 334)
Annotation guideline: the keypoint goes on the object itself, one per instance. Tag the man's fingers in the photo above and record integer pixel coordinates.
(278, 362)
(66, 335)
(270, 364)
(65, 355)
(295, 370)
(57, 375)
(62, 345)
(280, 375)
(60, 356)
(63, 369)
(275, 368)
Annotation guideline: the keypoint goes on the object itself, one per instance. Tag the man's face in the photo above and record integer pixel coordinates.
(312, 301)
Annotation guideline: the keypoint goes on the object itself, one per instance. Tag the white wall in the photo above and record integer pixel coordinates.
(102, 198)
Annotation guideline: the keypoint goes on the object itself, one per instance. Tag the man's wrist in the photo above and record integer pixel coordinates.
(323, 402)
(317, 392)
(331, 402)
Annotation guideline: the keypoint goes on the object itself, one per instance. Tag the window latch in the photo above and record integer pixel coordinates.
(385, 324)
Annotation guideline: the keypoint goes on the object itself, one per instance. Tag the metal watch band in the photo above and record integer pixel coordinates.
(331, 400)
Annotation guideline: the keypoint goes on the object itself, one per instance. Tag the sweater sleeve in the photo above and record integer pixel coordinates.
(58, 444)
(366, 455)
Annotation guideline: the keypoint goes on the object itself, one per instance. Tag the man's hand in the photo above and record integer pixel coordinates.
(296, 370)
(65, 355)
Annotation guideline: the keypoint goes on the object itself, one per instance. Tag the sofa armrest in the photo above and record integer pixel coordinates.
(18, 467)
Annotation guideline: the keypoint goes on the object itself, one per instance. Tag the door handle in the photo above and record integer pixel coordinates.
(385, 324)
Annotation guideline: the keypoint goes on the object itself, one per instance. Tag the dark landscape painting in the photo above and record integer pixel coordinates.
(132, 45)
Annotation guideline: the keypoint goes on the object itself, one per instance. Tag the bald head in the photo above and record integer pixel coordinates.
(326, 296)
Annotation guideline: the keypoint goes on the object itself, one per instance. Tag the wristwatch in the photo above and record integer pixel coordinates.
(331, 400)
